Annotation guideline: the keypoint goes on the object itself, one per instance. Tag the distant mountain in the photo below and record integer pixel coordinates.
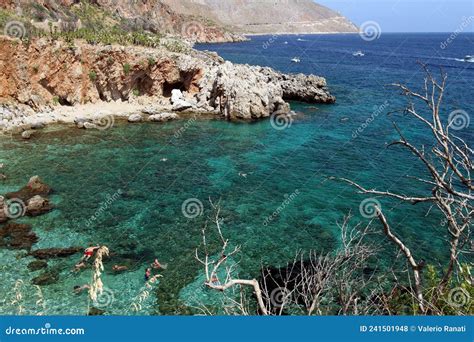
(266, 16)
(198, 20)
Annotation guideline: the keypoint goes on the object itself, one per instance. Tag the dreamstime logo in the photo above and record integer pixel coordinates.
(458, 297)
(15, 29)
(192, 29)
(14, 208)
(104, 122)
(279, 297)
(288, 199)
(104, 206)
(458, 120)
(192, 208)
(104, 298)
(281, 121)
(377, 111)
(464, 24)
(369, 207)
(370, 31)
(179, 133)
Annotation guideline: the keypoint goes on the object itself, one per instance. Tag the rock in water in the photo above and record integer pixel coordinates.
(17, 236)
(135, 118)
(37, 265)
(89, 125)
(38, 205)
(163, 117)
(93, 311)
(34, 187)
(49, 253)
(26, 135)
(46, 278)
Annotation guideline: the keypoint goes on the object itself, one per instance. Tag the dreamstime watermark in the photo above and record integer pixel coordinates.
(458, 297)
(15, 29)
(104, 299)
(279, 297)
(370, 31)
(104, 122)
(179, 133)
(46, 330)
(104, 206)
(464, 24)
(192, 29)
(458, 120)
(13, 208)
(377, 111)
(369, 208)
(288, 199)
(281, 121)
(192, 208)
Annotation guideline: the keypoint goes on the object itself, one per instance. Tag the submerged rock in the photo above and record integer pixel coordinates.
(93, 311)
(17, 236)
(49, 253)
(46, 278)
(37, 265)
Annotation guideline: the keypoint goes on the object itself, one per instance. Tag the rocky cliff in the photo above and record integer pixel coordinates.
(39, 76)
(152, 16)
(197, 20)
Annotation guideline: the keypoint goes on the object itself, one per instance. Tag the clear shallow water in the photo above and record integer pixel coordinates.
(145, 221)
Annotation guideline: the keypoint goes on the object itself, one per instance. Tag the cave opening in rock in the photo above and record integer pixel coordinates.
(168, 87)
(63, 101)
(143, 85)
(185, 82)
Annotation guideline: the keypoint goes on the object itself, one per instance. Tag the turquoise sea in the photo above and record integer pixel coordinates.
(135, 178)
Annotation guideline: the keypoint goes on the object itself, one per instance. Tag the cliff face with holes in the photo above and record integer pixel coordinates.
(44, 75)
(44, 72)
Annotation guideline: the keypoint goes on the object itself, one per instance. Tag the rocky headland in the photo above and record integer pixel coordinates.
(47, 80)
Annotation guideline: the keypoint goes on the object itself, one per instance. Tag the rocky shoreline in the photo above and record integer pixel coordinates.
(49, 81)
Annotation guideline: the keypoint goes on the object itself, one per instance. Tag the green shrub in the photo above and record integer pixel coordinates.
(92, 75)
(126, 68)
(151, 61)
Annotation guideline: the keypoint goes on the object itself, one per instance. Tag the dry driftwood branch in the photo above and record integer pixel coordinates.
(449, 166)
(211, 267)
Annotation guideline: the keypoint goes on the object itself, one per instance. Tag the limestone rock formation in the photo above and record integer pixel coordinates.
(34, 78)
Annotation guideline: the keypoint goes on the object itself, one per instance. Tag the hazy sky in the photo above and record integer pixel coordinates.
(409, 15)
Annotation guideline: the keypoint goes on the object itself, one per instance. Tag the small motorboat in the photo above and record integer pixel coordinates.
(296, 60)
(358, 54)
(469, 58)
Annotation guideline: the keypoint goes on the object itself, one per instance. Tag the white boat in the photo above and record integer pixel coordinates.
(358, 54)
(469, 58)
(296, 60)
